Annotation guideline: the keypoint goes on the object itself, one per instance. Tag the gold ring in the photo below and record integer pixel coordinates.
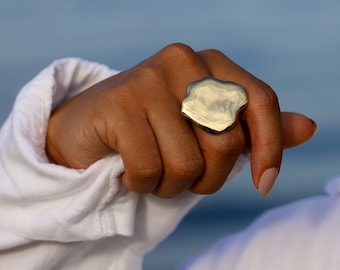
(214, 104)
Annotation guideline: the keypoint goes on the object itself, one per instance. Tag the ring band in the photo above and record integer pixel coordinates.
(214, 104)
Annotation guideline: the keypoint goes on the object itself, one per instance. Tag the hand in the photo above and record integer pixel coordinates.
(137, 113)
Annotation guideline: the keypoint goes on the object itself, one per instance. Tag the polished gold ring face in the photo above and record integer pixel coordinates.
(214, 104)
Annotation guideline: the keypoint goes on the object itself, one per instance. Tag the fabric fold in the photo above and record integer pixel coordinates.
(44, 201)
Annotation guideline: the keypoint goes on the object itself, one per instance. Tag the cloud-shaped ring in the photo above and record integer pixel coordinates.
(214, 104)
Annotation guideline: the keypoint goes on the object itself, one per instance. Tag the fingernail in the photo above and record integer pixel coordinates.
(267, 181)
(315, 126)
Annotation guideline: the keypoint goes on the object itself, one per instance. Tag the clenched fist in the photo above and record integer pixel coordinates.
(137, 113)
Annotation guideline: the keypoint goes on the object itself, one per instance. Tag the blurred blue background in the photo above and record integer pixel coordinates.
(292, 45)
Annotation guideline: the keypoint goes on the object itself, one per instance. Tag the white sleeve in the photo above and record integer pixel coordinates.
(43, 201)
(299, 236)
(47, 202)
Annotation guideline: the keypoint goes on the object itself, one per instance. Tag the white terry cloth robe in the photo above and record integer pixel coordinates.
(57, 218)
(304, 235)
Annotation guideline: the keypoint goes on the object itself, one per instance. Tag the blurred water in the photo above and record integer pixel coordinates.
(304, 173)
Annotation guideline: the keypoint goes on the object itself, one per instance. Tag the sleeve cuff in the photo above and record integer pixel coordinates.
(43, 201)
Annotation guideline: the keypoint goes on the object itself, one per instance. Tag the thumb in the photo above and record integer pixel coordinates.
(296, 129)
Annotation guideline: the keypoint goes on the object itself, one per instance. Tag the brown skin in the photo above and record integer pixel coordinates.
(137, 113)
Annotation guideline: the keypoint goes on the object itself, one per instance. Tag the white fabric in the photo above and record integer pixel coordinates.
(299, 236)
(52, 217)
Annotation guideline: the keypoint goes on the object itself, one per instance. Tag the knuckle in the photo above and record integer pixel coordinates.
(267, 96)
(144, 178)
(186, 171)
(178, 49)
(148, 172)
(148, 73)
(230, 145)
(213, 53)
(180, 54)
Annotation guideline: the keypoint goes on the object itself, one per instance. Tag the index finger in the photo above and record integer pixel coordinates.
(262, 116)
